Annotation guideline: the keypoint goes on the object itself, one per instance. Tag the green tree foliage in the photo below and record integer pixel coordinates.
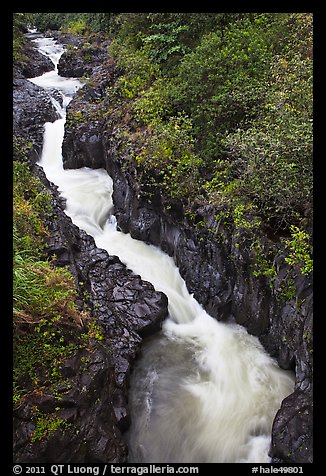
(274, 153)
(216, 107)
(300, 251)
(48, 21)
(164, 44)
(168, 160)
(221, 82)
(139, 70)
(19, 27)
(73, 22)
(244, 82)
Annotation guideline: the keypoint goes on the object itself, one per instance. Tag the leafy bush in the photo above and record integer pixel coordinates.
(76, 27)
(274, 154)
(221, 81)
(168, 161)
(244, 81)
(164, 44)
(47, 21)
(19, 25)
(154, 104)
(46, 424)
(139, 70)
(31, 202)
(271, 175)
(75, 23)
(300, 251)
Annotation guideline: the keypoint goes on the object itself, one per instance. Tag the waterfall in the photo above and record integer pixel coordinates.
(203, 390)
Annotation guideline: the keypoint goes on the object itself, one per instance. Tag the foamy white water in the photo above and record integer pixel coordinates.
(203, 391)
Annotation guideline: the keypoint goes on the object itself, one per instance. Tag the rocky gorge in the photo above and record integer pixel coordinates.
(215, 266)
(92, 397)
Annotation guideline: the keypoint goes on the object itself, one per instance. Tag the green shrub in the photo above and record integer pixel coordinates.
(167, 159)
(31, 202)
(300, 251)
(221, 82)
(164, 45)
(275, 174)
(46, 424)
(153, 104)
(139, 71)
(76, 27)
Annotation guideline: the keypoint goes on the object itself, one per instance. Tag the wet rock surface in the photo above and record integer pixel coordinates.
(36, 64)
(81, 58)
(292, 435)
(90, 432)
(32, 108)
(87, 146)
(93, 404)
(217, 270)
(94, 393)
(33, 62)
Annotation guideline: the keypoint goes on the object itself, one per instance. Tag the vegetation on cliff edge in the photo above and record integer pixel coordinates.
(213, 109)
(216, 108)
(48, 325)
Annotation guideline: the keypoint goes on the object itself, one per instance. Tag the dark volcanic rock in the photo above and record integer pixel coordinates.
(90, 433)
(217, 268)
(36, 64)
(88, 148)
(93, 404)
(33, 63)
(292, 430)
(32, 107)
(80, 60)
(72, 65)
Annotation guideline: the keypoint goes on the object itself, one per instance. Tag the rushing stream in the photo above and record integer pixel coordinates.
(203, 390)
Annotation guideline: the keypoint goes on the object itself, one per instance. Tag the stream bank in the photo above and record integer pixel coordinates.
(90, 400)
(215, 265)
(215, 269)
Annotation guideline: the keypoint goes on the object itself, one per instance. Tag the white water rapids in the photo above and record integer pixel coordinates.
(203, 390)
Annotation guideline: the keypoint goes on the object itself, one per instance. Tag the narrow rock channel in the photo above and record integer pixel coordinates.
(208, 380)
(197, 375)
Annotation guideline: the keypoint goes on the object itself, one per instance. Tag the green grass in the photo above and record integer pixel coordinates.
(47, 323)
